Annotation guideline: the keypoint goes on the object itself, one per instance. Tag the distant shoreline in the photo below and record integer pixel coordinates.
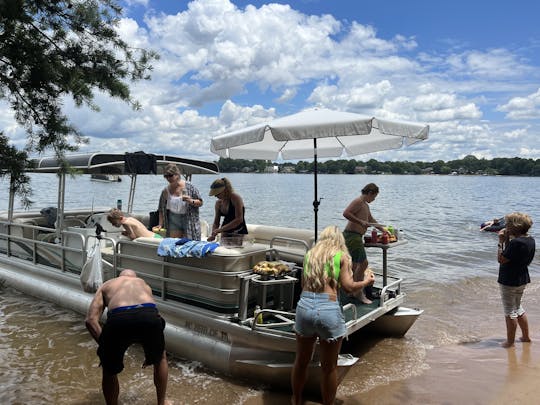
(469, 165)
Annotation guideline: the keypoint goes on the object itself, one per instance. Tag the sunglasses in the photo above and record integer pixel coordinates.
(168, 175)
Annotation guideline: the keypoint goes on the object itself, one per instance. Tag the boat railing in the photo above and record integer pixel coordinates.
(288, 241)
(285, 291)
(244, 296)
(40, 244)
(159, 272)
(389, 291)
(360, 314)
(289, 248)
(284, 319)
(26, 237)
(351, 307)
(196, 286)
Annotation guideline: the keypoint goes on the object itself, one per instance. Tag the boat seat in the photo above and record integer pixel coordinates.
(72, 222)
(220, 250)
(214, 280)
(291, 244)
(22, 227)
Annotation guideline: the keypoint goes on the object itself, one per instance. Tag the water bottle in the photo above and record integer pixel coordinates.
(258, 315)
(119, 204)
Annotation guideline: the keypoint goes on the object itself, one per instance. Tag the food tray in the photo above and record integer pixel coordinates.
(275, 270)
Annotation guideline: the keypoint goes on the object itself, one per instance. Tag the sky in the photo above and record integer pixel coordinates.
(469, 69)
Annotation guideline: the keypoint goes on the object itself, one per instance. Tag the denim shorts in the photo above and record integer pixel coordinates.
(177, 222)
(317, 315)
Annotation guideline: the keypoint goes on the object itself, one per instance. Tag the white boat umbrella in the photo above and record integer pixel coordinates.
(317, 133)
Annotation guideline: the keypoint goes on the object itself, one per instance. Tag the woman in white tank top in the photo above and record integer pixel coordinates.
(179, 206)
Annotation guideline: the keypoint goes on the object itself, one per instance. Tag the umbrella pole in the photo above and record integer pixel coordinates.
(315, 200)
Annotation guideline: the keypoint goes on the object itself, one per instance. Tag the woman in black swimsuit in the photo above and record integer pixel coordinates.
(230, 206)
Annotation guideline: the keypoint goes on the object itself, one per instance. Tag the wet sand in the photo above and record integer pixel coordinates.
(480, 373)
(474, 373)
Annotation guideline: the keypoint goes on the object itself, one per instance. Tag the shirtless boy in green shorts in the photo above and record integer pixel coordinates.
(359, 219)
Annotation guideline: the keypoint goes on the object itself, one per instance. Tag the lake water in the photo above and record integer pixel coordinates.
(449, 267)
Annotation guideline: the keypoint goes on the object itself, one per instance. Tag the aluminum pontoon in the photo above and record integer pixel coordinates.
(218, 311)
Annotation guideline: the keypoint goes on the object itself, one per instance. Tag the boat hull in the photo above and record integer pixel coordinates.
(395, 323)
(209, 303)
(229, 348)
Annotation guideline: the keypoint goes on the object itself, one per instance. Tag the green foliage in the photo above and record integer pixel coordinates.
(52, 49)
(468, 165)
(13, 162)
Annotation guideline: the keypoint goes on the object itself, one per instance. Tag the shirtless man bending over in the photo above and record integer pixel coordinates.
(359, 219)
(133, 228)
(132, 317)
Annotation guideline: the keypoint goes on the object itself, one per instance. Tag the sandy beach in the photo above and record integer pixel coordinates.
(475, 373)
(478, 373)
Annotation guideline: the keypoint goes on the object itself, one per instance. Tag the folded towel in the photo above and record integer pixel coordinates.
(190, 248)
(166, 246)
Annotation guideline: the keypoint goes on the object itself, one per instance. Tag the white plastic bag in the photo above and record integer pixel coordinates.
(92, 271)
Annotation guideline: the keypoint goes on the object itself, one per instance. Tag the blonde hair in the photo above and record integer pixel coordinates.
(114, 215)
(171, 169)
(329, 243)
(519, 222)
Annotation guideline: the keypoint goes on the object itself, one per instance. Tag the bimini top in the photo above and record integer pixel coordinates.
(122, 163)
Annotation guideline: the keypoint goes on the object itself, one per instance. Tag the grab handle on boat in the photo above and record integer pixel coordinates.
(290, 241)
(283, 316)
(386, 287)
(352, 307)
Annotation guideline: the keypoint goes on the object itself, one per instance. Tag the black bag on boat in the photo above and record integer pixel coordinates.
(140, 163)
(153, 219)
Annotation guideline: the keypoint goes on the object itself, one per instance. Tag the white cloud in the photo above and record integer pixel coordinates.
(287, 95)
(516, 133)
(352, 99)
(530, 153)
(522, 107)
(495, 63)
(223, 67)
(137, 2)
(9, 126)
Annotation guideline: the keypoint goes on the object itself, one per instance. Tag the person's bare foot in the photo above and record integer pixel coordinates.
(366, 301)
(362, 297)
(525, 340)
(507, 344)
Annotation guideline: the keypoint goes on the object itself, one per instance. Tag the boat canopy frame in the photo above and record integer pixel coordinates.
(131, 164)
